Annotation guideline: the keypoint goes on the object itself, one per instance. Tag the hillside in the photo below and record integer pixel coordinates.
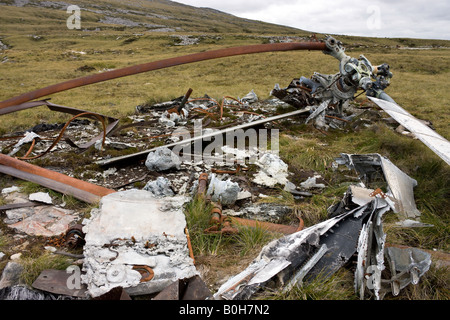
(148, 16)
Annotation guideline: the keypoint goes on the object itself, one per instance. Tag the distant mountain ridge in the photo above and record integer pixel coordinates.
(151, 15)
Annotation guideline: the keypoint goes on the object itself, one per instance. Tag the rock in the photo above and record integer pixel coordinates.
(45, 221)
(40, 197)
(273, 171)
(10, 190)
(11, 274)
(270, 212)
(311, 183)
(16, 256)
(226, 192)
(23, 292)
(160, 187)
(162, 159)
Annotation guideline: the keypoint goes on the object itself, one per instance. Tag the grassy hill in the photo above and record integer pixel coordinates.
(156, 16)
(37, 50)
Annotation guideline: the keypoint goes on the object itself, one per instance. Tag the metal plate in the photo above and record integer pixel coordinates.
(55, 281)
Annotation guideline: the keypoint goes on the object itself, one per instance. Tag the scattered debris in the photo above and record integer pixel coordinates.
(10, 189)
(185, 289)
(273, 170)
(280, 260)
(262, 211)
(55, 281)
(374, 169)
(137, 241)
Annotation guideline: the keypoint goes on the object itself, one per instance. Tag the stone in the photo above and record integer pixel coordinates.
(47, 221)
(161, 187)
(226, 192)
(10, 190)
(311, 182)
(162, 159)
(11, 274)
(40, 197)
(273, 170)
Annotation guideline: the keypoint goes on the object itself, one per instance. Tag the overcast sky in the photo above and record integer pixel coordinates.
(429, 19)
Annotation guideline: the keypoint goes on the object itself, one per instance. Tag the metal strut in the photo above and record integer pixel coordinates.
(161, 64)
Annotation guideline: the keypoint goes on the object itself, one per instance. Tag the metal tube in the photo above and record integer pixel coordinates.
(196, 57)
(56, 177)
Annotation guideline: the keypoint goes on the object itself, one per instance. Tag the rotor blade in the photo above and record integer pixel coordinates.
(428, 136)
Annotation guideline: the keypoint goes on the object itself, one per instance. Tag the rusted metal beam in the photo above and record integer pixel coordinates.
(274, 227)
(161, 64)
(79, 189)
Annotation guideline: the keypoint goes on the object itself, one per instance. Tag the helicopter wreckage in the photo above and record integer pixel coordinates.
(150, 253)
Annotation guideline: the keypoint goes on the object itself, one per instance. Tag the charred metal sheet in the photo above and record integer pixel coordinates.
(327, 246)
(117, 293)
(193, 288)
(19, 205)
(428, 136)
(196, 57)
(373, 169)
(204, 136)
(55, 281)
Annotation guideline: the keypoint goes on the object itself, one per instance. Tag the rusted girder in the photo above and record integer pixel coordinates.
(79, 189)
(160, 64)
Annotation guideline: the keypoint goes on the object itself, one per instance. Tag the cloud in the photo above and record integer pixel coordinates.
(377, 18)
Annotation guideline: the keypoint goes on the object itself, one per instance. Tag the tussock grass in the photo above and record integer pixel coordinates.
(337, 287)
(34, 265)
(248, 241)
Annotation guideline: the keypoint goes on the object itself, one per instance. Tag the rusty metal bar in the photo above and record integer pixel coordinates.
(82, 190)
(268, 225)
(127, 71)
(51, 184)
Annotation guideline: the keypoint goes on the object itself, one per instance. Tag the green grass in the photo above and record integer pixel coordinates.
(33, 265)
(337, 287)
(245, 242)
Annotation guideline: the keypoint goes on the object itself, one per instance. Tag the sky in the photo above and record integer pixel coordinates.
(426, 19)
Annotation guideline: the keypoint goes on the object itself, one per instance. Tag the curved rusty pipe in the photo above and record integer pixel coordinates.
(127, 71)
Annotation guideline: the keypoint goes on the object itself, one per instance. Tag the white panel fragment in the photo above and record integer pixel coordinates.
(134, 228)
